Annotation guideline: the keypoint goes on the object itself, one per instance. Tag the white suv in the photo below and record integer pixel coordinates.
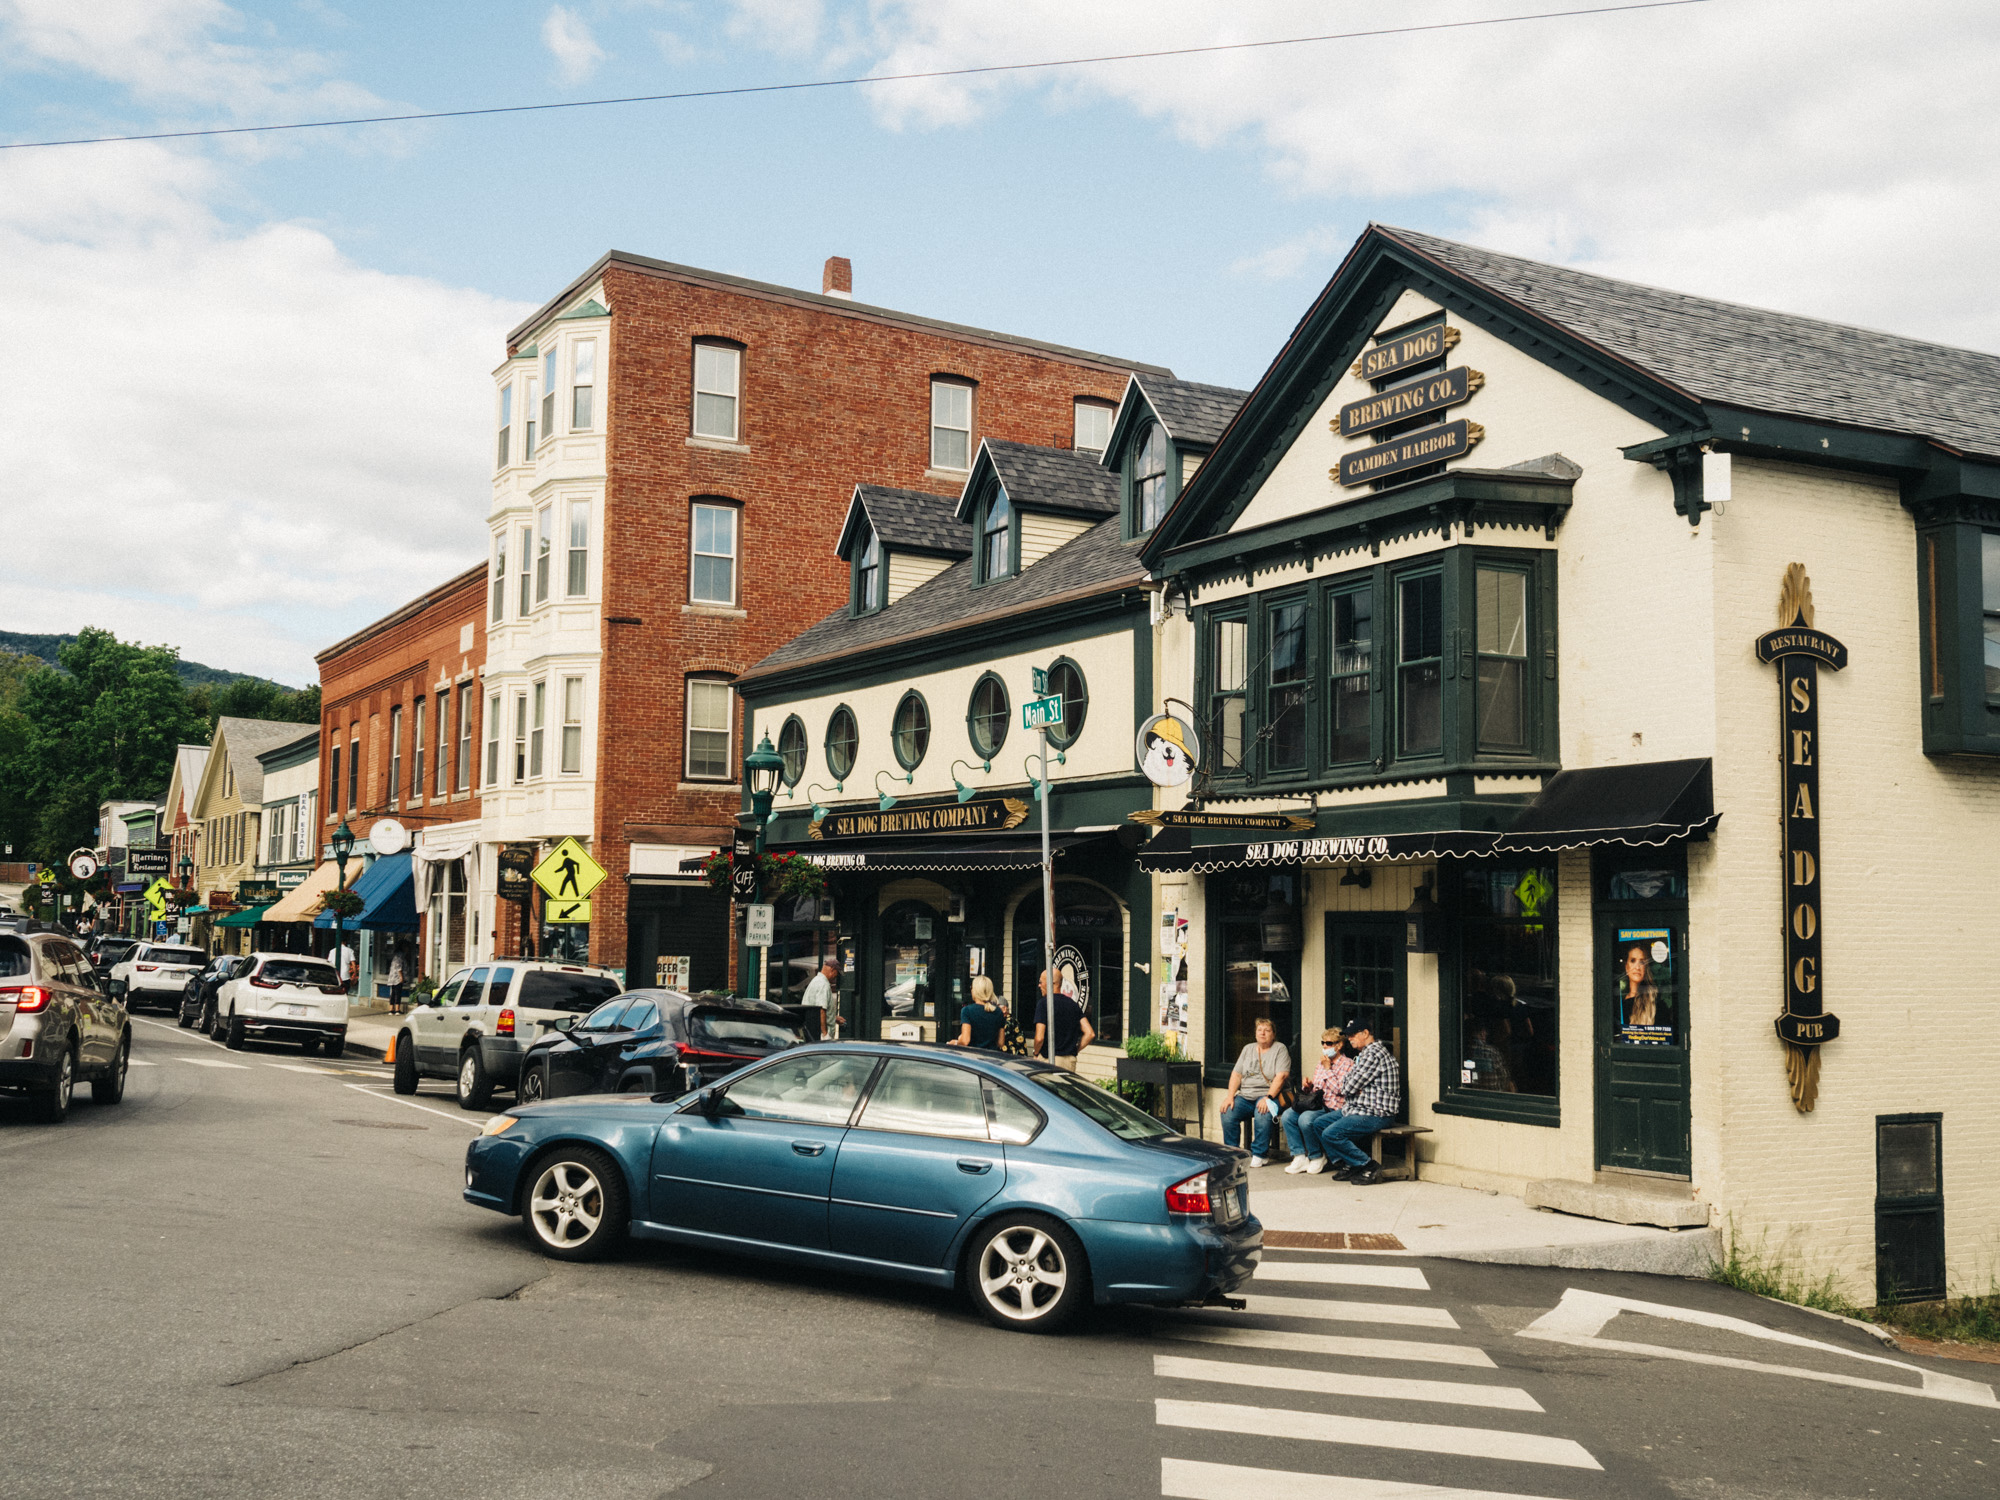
(158, 973)
(284, 997)
(475, 1030)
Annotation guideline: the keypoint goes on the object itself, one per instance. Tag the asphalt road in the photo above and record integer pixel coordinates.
(256, 1278)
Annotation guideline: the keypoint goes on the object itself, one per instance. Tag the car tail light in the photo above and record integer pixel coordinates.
(333, 989)
(1189, 1196)
(262, 983)
(505, 1025)
(147, 968)
(28, 997)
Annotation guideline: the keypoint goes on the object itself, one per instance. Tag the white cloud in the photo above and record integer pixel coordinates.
(567, 36)
(1846, 168)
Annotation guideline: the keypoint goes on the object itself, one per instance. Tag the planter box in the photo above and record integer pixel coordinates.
(1168, 1078)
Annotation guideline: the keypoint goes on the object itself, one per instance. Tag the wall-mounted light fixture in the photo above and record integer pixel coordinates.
(883, 800)
(966, 793)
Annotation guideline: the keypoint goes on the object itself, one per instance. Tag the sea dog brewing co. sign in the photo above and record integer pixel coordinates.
(1800, 651)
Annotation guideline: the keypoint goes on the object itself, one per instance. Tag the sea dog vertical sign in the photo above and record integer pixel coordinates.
(1799, 652)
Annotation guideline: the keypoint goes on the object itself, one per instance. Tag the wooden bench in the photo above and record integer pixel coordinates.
(1406, 1170)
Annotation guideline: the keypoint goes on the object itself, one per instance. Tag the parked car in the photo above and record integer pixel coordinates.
(108, 950)
(58, 1025)
(1030, 1188)
(198, 999)
(156, 973)
(655, 1042)
(283, 997)
(475, 1030)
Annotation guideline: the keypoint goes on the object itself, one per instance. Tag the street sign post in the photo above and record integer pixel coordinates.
(568, 873)
(1039, 676)
(1042, 713)
(566, 911)
(760, 927)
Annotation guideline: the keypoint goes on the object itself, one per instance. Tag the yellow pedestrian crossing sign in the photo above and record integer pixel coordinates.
(566, 911)
(567, 873)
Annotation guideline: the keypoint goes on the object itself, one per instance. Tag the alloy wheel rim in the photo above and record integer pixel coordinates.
(531, 1088)
(567, 1205)
(465, 1075)
(65, 1080)
(1022, 1273)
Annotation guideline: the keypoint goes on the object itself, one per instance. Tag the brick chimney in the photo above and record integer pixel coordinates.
(838, 278)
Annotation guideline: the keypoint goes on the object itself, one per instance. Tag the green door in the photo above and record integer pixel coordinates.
(1639, 991)
(1366, 963)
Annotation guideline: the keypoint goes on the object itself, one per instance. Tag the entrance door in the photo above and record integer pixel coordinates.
(1366, 969)
(1639, 990)
(917, 964)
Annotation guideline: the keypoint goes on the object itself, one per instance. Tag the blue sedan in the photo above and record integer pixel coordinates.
(1032, 1189)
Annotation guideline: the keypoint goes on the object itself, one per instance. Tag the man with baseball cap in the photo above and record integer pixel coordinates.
(1374, 1093)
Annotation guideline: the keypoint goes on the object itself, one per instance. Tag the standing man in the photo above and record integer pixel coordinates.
(346, 967)
(1254, 1084)
(1073, 1032)
(823, 995)
(1373, 1093)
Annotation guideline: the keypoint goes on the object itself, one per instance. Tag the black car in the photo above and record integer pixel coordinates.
(198, 999)
(107, 949)
(658, 1042)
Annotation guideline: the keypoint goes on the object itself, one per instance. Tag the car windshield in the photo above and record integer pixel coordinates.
(14, 958)
(1100, 1105)
(714, 1025)
(175, 956)
(548, 989)
(296, 971)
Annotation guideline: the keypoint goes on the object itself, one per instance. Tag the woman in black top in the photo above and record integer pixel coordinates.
(981, 1022)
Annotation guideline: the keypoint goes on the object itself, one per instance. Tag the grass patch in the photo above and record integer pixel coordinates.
(1965, 1320)
(1962, 1320)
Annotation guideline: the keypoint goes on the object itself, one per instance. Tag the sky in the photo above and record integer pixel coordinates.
(252, 406)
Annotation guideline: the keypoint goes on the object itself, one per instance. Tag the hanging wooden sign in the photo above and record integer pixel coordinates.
(1269, 822)
(1417, 348)
(980, 815)
(1428, 394)
(1413, 450)
(1799, 651)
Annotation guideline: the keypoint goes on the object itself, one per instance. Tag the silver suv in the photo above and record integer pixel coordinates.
(58, 1025)
(475, 1030)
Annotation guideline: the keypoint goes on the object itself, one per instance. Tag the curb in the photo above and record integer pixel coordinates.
(1683, 1255)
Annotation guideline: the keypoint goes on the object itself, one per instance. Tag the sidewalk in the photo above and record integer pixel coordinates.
(370, 1027)
(1455, 1223)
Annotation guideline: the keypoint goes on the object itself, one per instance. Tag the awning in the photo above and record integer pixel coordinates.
(434, 849)
(1170, 851)
(1643, 805)
(301, 902)
(193, 911)
(388, 898)
(915, 854)
(249, 916)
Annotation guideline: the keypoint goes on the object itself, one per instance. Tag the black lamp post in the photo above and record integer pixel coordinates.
(343, 850)
(187, 872)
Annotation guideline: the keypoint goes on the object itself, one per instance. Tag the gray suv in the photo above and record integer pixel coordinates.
(59, 1025)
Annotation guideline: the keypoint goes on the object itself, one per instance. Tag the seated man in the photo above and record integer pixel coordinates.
(1374, 1093)
(1258, 1078)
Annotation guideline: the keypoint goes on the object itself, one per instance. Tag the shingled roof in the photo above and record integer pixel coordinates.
(906, 521)
(1058, 479)
(1191, 412)
(1727, 353)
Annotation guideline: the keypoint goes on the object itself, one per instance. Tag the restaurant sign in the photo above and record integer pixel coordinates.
(1267, 822)
(980, 815)
(1431, 393)
(1418, 348)
(1413, 450)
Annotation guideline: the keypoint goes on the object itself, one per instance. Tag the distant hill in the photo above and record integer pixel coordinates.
(192, 673)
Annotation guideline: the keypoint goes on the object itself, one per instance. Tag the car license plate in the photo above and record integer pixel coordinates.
(1231, 1204)
(295, 1010)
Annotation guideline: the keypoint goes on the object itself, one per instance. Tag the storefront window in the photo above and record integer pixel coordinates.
(1259, 943)
(803, 943)
(1508, 1020)
(910, 962)
(1089, 957)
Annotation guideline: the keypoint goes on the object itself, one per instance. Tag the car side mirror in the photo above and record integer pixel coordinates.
(711, 1103)
(116, 988)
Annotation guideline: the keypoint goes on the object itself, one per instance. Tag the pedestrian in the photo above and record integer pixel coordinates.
(1072, 1032)
(981, 1023)
(397, 979)
(1315, 1100)
(1258, 1077)
(1374, 1093)
(346, 970)
(823, 995)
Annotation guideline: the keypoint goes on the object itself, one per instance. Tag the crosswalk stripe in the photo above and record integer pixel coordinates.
(1337, 1311)
(139, 1062)
(1339, 1273)
(1375, 1432)
(1340, 1383)
(304, 1068)
(211, 1062)
(1191, 1479)
(1328, 1343)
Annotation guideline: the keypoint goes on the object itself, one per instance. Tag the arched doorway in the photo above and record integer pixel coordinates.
(1090, 955)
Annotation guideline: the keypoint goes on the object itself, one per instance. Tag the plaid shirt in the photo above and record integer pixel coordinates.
(1371, 1086)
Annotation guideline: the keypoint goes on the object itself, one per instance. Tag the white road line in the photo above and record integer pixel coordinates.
(1327, 1343)
(362, 1088)
(133, 1062)
(1349, 1312)
(1373, 1432)
(304, 1068)
(1405, 1278)
(212, 1062)
(1190, 1479)
(1340, 1383)
(186, 1034)
(1580, 1315)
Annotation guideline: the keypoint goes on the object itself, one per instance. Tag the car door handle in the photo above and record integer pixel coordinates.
(975, 1167)
(809, 1148)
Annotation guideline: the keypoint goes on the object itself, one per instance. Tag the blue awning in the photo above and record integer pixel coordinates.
(388, 898)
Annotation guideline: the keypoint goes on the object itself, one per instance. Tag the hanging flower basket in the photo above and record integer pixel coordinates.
(790, 875)
(342, 903)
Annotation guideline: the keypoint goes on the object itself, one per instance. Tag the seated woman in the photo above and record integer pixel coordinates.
(1297, 1124)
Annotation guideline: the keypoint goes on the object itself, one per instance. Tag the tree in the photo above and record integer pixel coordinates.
(254, 698)
(15, 670)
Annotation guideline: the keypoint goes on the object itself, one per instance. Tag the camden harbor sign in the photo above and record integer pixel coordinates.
(980, 815)
(1413, 450)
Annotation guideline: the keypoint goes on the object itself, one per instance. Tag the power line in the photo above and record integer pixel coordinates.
(835, 83)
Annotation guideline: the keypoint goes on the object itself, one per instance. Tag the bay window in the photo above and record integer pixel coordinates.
(542, 541)
(528, 437)
(492, 739)
(1285, 693)
(535, 729)
(1420, 665)
(572, 725)
(499, 608)
(525, 563)
(582, 385)
(1350, 691)
(548, 393)
(506, 426)
(579, 549)
(1959, 586)
(1229, 675)
(520, 738)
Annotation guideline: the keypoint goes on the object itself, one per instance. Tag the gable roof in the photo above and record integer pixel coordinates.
(1190, 411)
(242, 741)
(906, 521)
(189, 762)
(1057, 479)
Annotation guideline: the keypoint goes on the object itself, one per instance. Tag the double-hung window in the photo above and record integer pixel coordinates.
(711, 705)
(395, 753)
(1091, 426)
(1420, 664)
(868, 575)
(1501, 626)
(543, 542)
(536, 729)
(499, 609)
(1958, 563)
(1350, 681)
(1149, 478)
(443, 743)
(493, 727)
(1229, 675)
(996, 538)
(354, 770)
(572, 725)
(333, 781)
(548, 393)
(582, 384)
(578, 583)
(712, 559)
(526, 563)
(417, 747)
(718, 391)
(1287, 687)
(506, 426)
(528, 435)
(951, 425)
(520, 738)
(462, 780)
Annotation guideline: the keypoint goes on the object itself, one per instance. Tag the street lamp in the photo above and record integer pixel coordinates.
(187, 872)
(343, 850)
(761, 769)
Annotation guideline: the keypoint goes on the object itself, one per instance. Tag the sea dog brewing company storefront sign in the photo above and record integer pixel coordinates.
(981, 815)
(1799, 651)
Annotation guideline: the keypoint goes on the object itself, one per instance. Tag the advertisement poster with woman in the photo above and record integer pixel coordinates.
(1646, 987)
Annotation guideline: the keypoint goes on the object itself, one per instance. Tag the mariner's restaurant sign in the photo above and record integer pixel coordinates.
(980, 815)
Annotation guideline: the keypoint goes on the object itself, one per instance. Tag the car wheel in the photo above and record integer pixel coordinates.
(1027, 1273)
(233, 1036)
(475, 1089)
(335, 1046)
(310, 1046)
(575, 1207)
(52, 1104)
(186, 1019)
(406, 1064)
(534, 1086)
(110, 1089)
(207, 1027)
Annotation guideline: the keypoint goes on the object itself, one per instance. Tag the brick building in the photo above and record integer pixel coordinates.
(676, 452)
(401, 726)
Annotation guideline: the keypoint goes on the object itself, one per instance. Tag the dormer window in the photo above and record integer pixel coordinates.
(996, 538)
(868, 576)
(1149, 478)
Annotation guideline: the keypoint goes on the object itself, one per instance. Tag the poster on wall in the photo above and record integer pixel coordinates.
(1645, 985)
(675, 973)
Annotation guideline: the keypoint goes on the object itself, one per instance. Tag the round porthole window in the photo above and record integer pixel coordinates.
(792, 749)
(986, 717)
(842, 740)
(912, 732)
